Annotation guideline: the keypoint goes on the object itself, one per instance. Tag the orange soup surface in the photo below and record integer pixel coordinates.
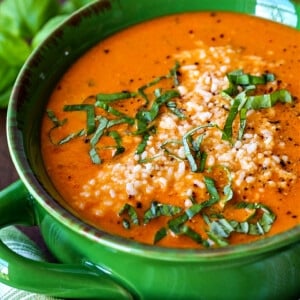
(182, 131)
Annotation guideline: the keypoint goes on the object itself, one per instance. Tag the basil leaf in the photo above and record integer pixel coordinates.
(160, 234)
(217, 239)
(71, 136)
(159, 209)
(117, 138)
(69, 6)
(56, 122)
(195, 209)
(175, 224)
(172, 106)
(33, 14)
(192, 152)
(221, 228)
(238, 77)
(212, 190)
(45, 31)
(108, 98)
(90, 112)
(147, 116)
(13, 49)
(192, 234)
(23, 25)
(114, 112)
(143, 144)
(95, 158)
(268, 100)
(130, 210)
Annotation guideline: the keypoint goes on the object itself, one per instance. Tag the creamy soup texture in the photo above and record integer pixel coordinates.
(182, 131)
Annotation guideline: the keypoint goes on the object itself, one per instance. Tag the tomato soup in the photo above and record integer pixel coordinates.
(182, 131)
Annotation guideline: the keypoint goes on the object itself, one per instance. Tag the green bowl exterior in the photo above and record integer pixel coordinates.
(267, 269)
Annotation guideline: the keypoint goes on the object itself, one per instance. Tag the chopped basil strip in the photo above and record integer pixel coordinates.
(221, 228)
(67, 138)
(238, 77)
(212, 190)
(192, 149)
(114, 112)
(172, 106)
(159, 209)
(59, 123)
(221, 242)
(145, 117)
(174, 73)
(175, 223)
(131, 212)
(241, 102)
(169, 152)
(90, 111)
(99, 131)
(195, 209)
(227, 189)
(192, 234)
(160, 234)
(95, 156)
(268, 100)
(117, 138)
(243, 122)
(108, 98)
(143, 144)
(126, 224)
(56, 123)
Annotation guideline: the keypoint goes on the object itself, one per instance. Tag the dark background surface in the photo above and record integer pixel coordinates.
(8, 175)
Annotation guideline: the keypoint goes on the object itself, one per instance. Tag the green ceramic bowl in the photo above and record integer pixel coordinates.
(95, 264)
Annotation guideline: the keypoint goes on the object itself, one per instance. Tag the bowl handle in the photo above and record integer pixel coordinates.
(60, 280)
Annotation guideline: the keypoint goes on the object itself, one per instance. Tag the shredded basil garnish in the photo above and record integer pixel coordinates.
(192, 234)
(241, 95)
(165, 145)
(159, 209)
(172, 106)
(117, 138)
(131, 212)
(242, 101)
(268, 100)
(108, 98)
(192, 151)
(90, 111)
(145, 117)
(160, 234)
(58, 123)
(220, 228)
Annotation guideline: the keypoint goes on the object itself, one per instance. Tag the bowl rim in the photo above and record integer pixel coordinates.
(63, 216)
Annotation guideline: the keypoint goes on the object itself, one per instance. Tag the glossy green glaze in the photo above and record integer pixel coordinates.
(94, 263)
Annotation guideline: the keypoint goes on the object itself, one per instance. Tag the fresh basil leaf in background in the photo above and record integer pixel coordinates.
(24, 24)
(47, 29)
(13, 50)
(8, 20)
(29, 15)
(72, 5)
(36, 13)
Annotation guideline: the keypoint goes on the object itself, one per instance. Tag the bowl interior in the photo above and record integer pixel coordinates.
(67, 43)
